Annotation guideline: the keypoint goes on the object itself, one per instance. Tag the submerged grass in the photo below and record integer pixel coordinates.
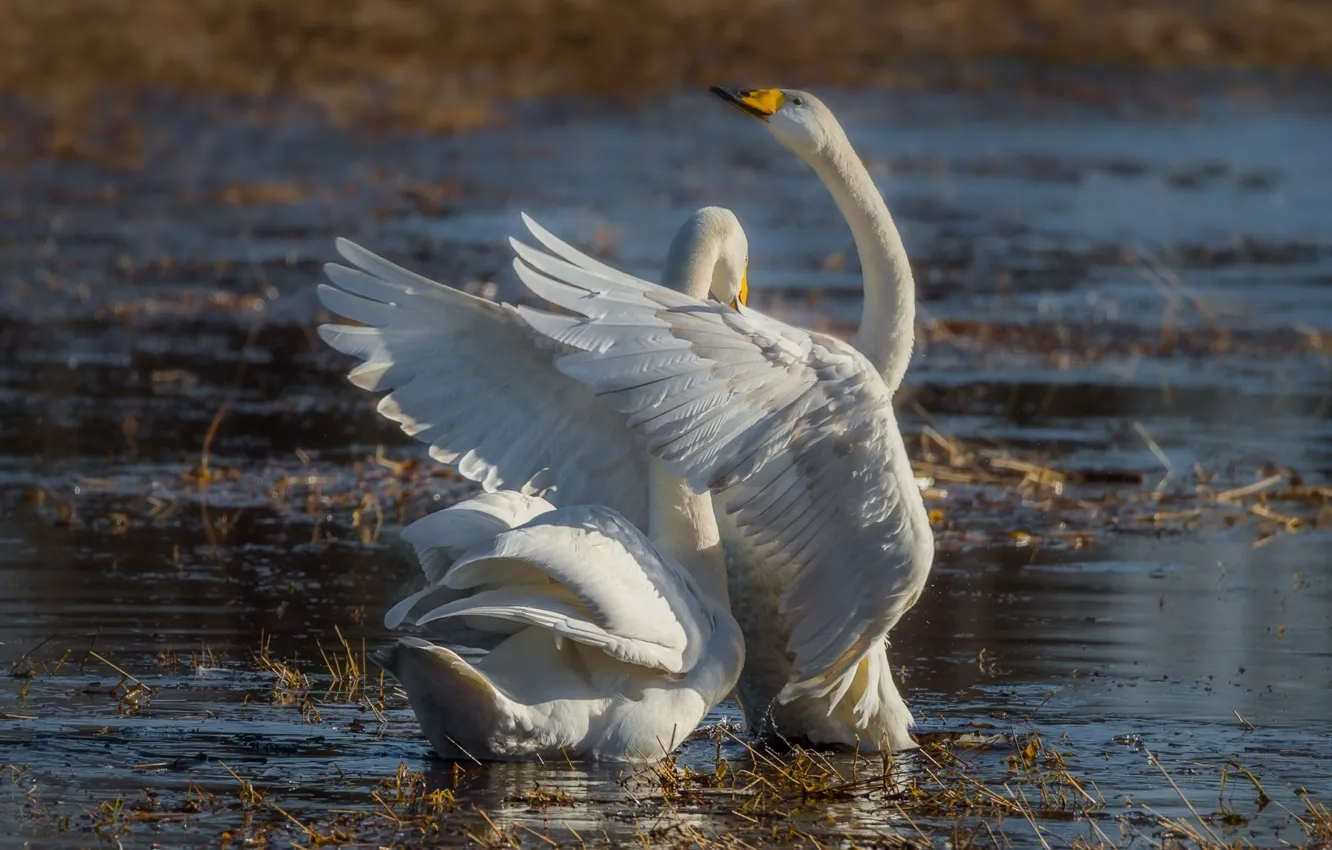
(938, 795)
(946, 794)
(977, 478)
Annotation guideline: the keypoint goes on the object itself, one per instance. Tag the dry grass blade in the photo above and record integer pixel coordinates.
(1263, 799)
(1249, 489)
(1025, 810)
(128, 676)
(1183, 798)
(1157, 451)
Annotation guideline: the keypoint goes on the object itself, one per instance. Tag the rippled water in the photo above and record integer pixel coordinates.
(1105, 289)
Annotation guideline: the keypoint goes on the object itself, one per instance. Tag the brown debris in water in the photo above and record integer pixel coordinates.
(769, 797)
(986, 786)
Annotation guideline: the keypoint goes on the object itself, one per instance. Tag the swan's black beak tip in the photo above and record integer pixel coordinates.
(735, 97)
(752, 103)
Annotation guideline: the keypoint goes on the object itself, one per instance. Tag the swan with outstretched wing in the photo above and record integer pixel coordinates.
(829, 541)
(773, 565)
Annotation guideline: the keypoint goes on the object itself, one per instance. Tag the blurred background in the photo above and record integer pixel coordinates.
(1118, 214)
(77, 68)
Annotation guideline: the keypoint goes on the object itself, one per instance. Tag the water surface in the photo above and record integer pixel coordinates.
(1139, 297)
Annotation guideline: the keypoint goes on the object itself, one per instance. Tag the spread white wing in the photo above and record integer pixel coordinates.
(473, 381)
(582, 573)
(795, 427)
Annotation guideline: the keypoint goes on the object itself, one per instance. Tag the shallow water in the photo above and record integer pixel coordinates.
(1098, 283)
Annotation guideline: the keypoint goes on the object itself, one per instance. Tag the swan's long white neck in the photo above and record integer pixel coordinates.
(681, 523)
(888, 320)
(692, 259)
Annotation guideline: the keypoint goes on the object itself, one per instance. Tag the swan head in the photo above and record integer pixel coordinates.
(798, 119)
(710, 256)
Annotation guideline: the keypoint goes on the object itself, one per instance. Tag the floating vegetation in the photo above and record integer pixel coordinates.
(980, 492)
(975, 789)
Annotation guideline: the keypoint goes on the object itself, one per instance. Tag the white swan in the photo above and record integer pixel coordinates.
(826, 536)
(613, 651)
(878, 715)
(610, 649)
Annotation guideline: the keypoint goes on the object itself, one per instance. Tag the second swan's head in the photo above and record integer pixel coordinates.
(798, 119)
(710, 256)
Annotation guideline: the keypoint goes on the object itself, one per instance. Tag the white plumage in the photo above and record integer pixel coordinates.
(615, 652)
(474, 382)
(603, 644)
(795, 430)
(826, 539)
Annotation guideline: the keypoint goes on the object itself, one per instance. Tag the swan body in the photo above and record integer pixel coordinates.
(613, 652)
(870, 714)
(602, 644)
(826, 536)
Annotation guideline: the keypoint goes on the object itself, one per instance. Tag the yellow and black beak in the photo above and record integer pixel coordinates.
(743, 297)
(759, 103)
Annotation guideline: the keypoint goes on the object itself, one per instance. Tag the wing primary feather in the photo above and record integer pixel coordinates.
(567, 252)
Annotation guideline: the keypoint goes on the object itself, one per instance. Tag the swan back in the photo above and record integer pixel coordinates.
(583, 573)
(615, 652)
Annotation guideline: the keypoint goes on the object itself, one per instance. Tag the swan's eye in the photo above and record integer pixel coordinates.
(798, 101)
